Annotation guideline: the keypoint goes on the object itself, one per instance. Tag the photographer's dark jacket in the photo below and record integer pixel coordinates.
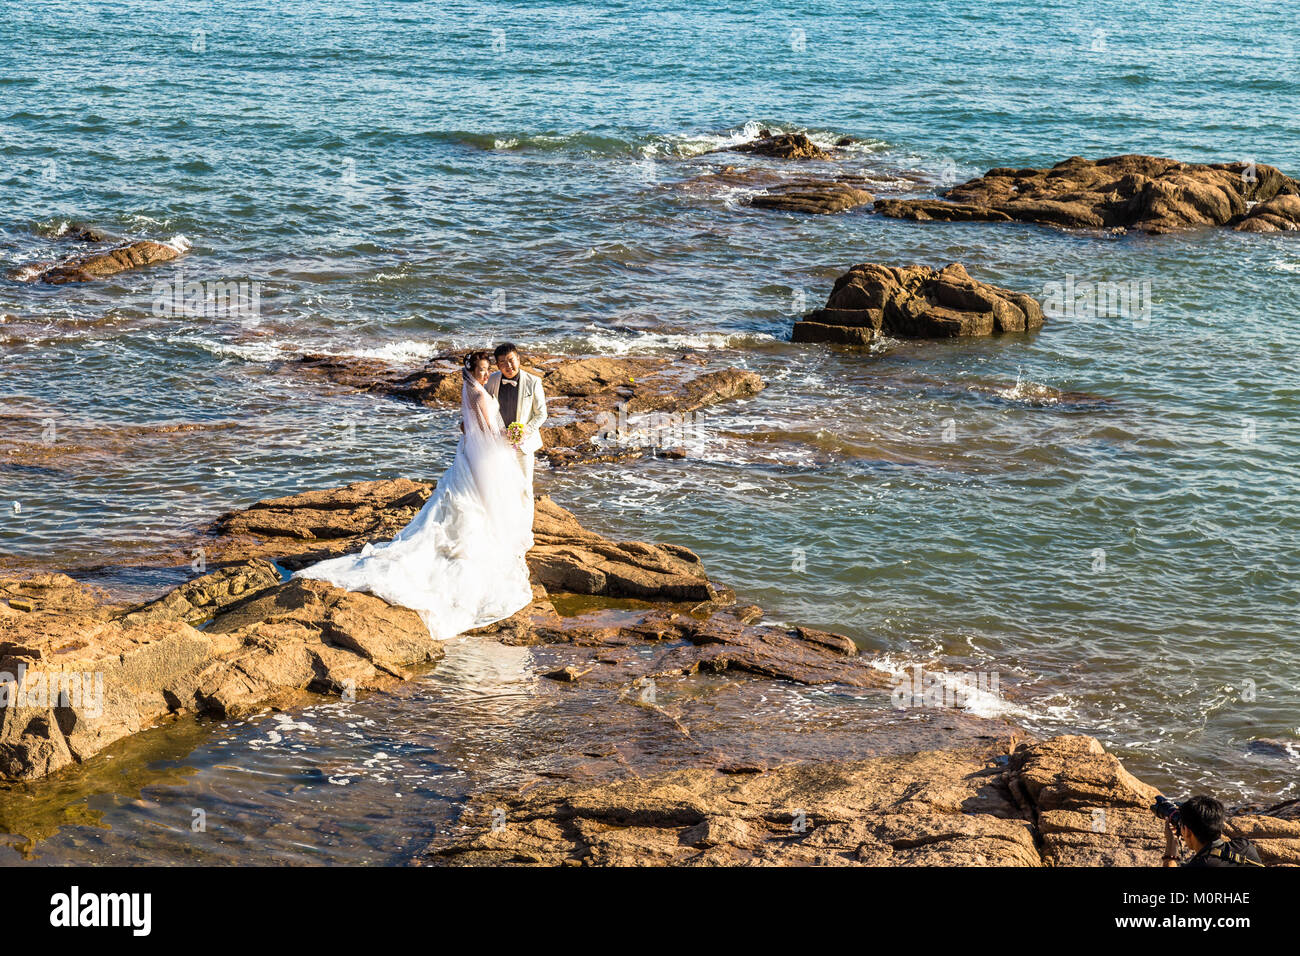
(1226, 853)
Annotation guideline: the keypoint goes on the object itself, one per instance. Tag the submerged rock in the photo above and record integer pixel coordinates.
(1147, 193)
(100, 265)
(915, 302)
(822, 196)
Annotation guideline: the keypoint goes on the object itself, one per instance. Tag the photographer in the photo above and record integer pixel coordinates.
(1198, 822)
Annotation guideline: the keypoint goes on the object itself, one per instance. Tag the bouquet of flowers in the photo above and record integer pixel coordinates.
(515, 433)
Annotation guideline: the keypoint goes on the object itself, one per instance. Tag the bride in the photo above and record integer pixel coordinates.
(460, 563)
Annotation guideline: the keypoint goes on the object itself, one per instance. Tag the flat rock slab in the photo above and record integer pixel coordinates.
(705, 640)
(871, 300)
(1146, 193)
(928, 808)
(1059, 802)
(813, 196)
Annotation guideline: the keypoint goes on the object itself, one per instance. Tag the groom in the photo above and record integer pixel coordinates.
(520, 396)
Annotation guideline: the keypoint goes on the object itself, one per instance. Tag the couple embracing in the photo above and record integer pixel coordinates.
(460, 563)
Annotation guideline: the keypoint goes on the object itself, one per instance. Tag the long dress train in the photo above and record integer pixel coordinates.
(460, 563)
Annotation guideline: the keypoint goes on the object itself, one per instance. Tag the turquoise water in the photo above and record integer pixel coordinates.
(403, 178)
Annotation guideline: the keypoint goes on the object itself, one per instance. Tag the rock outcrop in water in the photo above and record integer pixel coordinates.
(99, 265)
(77, 674)
(781, 146)
(821, 196)
(1059, 802)
(915, 302)
(600, 408)
(1146, 193)
(768, 187)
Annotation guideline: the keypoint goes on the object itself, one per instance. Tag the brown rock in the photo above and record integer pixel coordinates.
(935, 808)
(1090, 810)
(307, 527)
(100, 265)
(52, 592)
(937, 210)
(915, 302)
(714, 640)
(812, 196)
(1147, 193)
(1060, 802)
(205, 597)
(116, 676)
(298, 530)
(126, 674)
(782, 146)
(1279, 214)
(587, 398)
(567, 557)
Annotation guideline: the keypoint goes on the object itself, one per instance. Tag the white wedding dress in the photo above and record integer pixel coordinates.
(460, 563)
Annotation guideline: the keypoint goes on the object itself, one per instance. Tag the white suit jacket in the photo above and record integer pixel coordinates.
(532, 407)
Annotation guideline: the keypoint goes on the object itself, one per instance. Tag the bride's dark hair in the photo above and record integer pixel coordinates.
(473, 358)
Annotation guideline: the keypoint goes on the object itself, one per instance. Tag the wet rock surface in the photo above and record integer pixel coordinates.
(234, 639)
(781, 146)
(915, 302)
(818, 196)
(98, 265)
(78, 676)
(1001, 802)
(1145, 193)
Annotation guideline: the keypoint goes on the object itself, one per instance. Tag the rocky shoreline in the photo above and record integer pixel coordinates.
(613, 620)
(1059, 802)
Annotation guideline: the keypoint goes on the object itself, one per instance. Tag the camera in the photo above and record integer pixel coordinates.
(1166, 809)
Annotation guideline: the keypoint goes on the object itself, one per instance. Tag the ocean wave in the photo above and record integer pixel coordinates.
(670, 145)
(975, 699)
(252, 352)
(610, 342)
(684, 145)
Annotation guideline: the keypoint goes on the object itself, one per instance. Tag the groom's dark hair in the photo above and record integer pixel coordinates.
(504, 349)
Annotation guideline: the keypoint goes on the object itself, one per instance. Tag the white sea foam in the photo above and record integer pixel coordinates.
(686, 145)
(251, 352)
(611, 342)
(408, 350)
(976, 700)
